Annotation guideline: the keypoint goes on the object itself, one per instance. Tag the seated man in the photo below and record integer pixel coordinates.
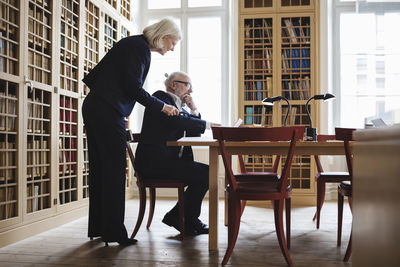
(155, 159)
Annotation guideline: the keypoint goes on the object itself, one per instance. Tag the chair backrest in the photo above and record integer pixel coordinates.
(234, 134)
(346, 135)
(322, 138)
(243, 167)
(131, 138)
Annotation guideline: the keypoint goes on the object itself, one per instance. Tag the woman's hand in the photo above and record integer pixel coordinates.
(170, 110)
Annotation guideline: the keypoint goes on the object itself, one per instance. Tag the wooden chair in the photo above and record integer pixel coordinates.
(345, 188)
(244, 174)
(152, 183)
(270, 188)
(323, 177)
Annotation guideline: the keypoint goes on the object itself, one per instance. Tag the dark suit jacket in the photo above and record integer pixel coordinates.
(159, 128)
(118, 78)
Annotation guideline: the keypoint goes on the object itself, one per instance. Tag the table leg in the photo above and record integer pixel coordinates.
(213, 200)
(226, 200)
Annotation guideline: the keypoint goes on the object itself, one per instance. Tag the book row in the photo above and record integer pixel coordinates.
(257, 60)
(296, 89)
(257, 90)
(8, 112)
(296, 30)
(296, 60)
(8, 208)
(259, 115)
(258, 30)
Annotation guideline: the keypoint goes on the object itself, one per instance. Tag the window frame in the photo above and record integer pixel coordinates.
(338, 9)
(184, 13)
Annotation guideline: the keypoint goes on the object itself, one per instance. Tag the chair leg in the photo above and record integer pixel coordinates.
(142, 208)
(181, 210)
(348, 250)
(320, 201)
(152, 191)
(234, 214)
(340, 219)
(287, 213)
(243, 206)
(278, 212)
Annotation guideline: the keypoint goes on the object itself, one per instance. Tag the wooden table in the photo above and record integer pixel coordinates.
(234, 148)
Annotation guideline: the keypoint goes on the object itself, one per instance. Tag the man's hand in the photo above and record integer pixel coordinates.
(170, 110)
(188, 100)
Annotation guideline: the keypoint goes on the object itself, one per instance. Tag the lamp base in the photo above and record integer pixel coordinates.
(311, 134)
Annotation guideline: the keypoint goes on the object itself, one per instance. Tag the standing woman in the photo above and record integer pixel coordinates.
(116, 83)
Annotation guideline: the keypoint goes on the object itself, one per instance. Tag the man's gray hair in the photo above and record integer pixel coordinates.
(172, 77)
(155, 32)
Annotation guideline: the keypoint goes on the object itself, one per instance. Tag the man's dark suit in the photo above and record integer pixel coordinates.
(155, 159)
(115, 86)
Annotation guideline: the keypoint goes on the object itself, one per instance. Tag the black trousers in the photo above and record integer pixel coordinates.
(192, 173)
(106, 135)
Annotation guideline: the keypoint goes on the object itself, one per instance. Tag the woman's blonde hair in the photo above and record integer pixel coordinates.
(155, 32)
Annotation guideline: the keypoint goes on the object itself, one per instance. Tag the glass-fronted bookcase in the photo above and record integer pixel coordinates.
(278, 57)
(46, 48)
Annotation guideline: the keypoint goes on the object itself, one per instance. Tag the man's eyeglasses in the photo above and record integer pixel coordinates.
(188, 84)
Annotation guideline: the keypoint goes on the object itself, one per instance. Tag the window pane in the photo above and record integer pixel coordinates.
(160, 65)
(370, 52)
(204, 3)
(204, 55)
(159, 4)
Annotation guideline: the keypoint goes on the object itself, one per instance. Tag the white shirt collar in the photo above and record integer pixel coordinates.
(177, 100)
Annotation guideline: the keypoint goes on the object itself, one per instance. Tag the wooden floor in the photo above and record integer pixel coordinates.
(257, 244)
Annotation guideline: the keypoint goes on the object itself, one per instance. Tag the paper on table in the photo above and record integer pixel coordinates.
(238, 123)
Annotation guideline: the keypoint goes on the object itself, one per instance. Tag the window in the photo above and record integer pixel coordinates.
(366, 58)
(202, 52)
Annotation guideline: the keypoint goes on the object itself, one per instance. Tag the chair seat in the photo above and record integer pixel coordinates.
(345, 188)
(260, 190)
(162, 183)
(256, 176)
(332, 177)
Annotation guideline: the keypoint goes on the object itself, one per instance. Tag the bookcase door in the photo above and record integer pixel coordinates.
(9, 144)
(68, 102)
(39, 99)
(257, 48)
(10, 113)
(296, 83)
(277, 57)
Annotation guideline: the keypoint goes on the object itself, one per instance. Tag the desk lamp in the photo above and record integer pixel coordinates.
(269, 101)
(311, 133)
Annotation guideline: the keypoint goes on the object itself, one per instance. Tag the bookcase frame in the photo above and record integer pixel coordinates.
(289, 33)
(43, 94)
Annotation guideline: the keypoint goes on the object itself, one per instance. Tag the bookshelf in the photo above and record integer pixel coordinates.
(38, 139)
(110, 33)
(46, 48)
(277, 56)
(67, 142)
(8, 150)
(126, 9)
(9, 30)
(39, 41)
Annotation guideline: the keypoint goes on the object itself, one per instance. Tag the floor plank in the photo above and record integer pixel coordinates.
(257, 243)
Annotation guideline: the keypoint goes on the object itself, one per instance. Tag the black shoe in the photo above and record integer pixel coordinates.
(172, 221)
(196, 227)
(124, 242)
(127, 242)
